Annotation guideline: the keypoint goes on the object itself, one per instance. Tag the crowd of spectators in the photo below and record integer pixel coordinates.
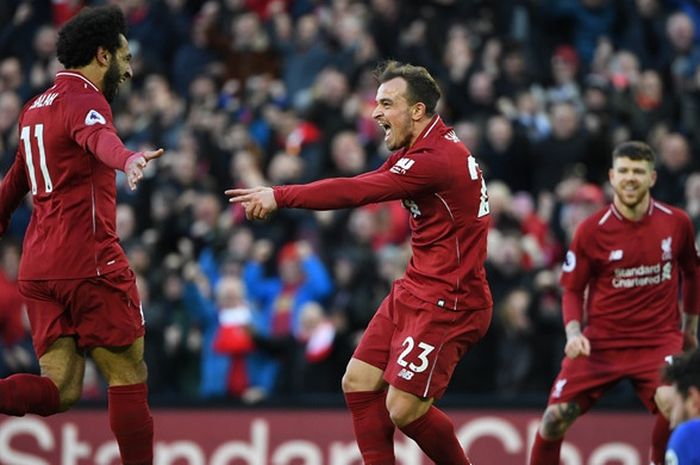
(249, 92)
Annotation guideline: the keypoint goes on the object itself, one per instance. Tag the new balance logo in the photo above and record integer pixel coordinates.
(402, 166)
(93, 117)
(615, 255)
(406, 374)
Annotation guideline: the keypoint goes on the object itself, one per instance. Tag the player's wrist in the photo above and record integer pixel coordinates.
(573, 330)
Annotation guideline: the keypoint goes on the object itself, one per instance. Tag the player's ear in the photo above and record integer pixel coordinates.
(103, 56)
(653, 177)
(418, 111)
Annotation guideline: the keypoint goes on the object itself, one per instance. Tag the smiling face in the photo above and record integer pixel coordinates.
(118, 71)
(393, 114)
(631, 181)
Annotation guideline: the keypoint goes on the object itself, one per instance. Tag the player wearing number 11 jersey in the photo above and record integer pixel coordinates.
(81, 295)
(442, 305)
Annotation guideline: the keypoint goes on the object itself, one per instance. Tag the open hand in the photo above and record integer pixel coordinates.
(134, 168)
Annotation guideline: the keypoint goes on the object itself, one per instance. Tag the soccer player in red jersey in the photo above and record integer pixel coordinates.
(81, 294)
(442, 305)
(621, 281)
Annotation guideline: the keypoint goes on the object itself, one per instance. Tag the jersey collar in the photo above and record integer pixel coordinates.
(619, 216)
(76, 75)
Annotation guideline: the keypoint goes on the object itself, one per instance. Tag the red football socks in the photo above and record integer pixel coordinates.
(435, 434)
(23, 393)
(659, 440)
(374, 430)
(131, 422)
(545, 452)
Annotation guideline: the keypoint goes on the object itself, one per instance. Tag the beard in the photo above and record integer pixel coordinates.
(111, 81)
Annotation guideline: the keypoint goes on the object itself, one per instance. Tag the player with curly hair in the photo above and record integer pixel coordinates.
(81, 294)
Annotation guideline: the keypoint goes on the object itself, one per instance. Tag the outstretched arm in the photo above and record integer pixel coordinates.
(13, 188)
(110, 150)
(326, 194)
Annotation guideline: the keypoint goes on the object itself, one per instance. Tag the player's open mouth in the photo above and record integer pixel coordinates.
(386, 128)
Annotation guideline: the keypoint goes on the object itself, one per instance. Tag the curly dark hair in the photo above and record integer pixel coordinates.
(80, 37)
(421, 87)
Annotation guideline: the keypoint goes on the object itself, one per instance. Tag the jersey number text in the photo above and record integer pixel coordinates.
(25, 135)
(423, 356)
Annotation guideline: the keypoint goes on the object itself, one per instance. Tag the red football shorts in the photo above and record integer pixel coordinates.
(103, 311)
(418, 344)
(584, 380)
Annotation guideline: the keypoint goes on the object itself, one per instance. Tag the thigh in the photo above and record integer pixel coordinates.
(428, 343)
(64, 364)
(584, 380)
(105, 311)
(121, 365)
(376, 339)
(645, 370)
(48, 317)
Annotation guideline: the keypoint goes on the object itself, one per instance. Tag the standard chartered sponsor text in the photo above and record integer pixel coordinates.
(643, 275)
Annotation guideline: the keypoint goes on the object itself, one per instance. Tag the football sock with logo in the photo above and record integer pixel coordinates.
(24, 393)
(545, 451)
(435, 434)
(374, 430)
(132, 423)
(659, 440)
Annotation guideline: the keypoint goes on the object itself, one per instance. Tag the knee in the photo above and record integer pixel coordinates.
(401, 415)
(136, 373)
(557, 419)
(663, 397)
(351, 382)
(69, 394)
(404, 408)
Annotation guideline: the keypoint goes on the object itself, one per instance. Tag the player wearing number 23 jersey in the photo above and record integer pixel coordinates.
(442, 304)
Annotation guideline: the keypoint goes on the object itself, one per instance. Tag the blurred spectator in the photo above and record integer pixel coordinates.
(674, 166)
(515, 354)
(325, 350)
(564, 151)
(300, 278)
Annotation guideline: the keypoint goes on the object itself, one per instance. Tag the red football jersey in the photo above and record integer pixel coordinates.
(632, 271)
(441, 185)
(72, 230)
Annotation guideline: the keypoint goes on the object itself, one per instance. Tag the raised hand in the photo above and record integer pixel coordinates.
(259, 202)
